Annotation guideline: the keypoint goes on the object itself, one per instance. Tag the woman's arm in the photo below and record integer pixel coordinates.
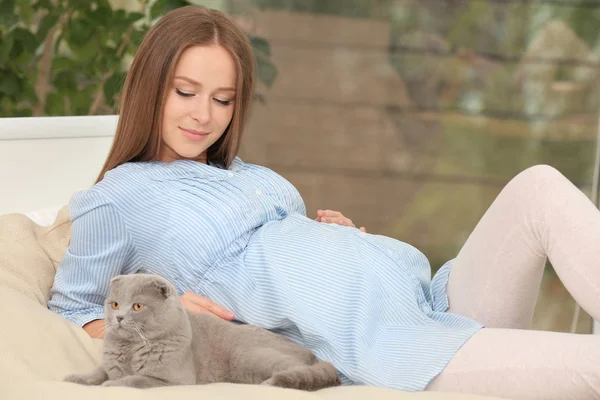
(95, 328)
(100, 249)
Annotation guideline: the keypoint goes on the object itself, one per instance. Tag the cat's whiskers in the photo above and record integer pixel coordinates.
(108, 325)
(137, 329)
(142, 328)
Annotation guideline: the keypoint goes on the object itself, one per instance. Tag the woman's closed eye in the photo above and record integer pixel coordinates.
(223, 102)
(184, 94)
(190, 94)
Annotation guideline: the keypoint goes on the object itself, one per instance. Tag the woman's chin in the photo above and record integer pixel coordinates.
(189, 154)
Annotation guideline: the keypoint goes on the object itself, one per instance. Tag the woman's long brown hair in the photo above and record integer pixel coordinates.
(138, 136)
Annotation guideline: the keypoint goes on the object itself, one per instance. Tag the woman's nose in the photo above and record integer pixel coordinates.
(201, 111)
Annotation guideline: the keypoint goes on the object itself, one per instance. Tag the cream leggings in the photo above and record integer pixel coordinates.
(496, 278)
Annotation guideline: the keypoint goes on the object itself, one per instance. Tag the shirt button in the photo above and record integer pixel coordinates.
(230, 174)
(391, 253)
(259, 192)
(425, 307)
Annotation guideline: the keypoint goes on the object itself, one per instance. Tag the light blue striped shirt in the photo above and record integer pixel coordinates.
(240, 236)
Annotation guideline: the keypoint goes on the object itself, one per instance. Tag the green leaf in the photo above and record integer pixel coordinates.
(87, 52)
(79, 31)
(6, 46)
(137, 35)
(26, 11)
(47, 22)
(113, 86)
(64, 81)
(64, 63)
(108, 59)
(55, 104)
(161, 7)
(82, 100)
(8, 16)
(260, 45)
(119, 14)
(119, 22)
(10, 84)
(266, 71)
(134, 17)
(28, 92)
(101, 15)
(26, 39)
(103, 3)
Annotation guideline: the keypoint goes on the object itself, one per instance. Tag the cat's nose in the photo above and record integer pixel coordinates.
(119, 319)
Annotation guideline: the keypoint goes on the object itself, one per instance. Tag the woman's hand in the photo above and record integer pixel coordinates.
(199, 305)
(335, 217)
(95, 328)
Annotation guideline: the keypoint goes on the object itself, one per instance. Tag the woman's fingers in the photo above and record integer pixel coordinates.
(337, 220)
(198, 304)
(335, 217)
(329, 213)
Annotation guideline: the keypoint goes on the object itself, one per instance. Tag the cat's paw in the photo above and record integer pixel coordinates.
(112, 383)
(283, 380)
(81, 379)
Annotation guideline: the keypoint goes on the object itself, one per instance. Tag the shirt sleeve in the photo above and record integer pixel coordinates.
(100, 249)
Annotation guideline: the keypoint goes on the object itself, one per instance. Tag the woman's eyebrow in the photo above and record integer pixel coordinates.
(193, 82)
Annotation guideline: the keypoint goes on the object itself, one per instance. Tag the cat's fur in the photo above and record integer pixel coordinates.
(162, 344)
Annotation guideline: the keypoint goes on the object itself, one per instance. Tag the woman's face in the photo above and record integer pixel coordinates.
(199, 103)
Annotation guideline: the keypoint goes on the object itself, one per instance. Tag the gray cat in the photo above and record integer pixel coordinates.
(151, 340)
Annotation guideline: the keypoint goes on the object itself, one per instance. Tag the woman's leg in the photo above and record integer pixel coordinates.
(496, 276)
(522, 364)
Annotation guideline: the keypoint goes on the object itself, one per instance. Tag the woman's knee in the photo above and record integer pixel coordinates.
(538, 178)
(537, 190)
(539, 173)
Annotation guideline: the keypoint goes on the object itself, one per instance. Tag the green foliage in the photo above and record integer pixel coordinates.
(70, 57)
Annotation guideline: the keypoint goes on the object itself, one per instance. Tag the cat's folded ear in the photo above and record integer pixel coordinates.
(116, 280)
(164, 288)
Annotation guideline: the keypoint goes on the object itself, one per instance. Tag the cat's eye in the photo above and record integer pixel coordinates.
(114, 305)
(138, 306)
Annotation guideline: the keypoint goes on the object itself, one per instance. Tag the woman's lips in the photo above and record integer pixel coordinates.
(193, 134)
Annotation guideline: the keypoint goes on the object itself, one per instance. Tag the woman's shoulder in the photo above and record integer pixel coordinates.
(115, 185)
(122, 179)
(85, 201)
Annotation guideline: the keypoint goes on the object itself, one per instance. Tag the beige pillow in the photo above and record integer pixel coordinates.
(30, 253)
(39, 344)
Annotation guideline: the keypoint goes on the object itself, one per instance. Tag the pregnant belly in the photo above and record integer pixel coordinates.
(296, 265)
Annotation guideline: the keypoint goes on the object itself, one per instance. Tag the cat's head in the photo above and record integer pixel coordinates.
(143, 306)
